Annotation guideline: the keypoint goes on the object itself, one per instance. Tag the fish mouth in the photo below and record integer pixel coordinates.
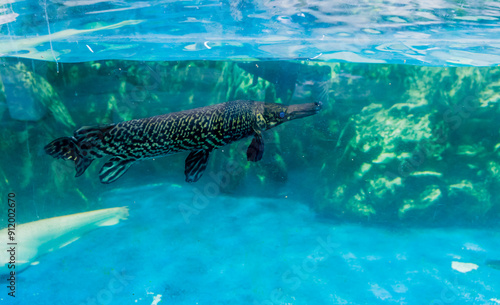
(298, 111)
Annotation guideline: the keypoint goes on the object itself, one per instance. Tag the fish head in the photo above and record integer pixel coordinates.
(277, 114)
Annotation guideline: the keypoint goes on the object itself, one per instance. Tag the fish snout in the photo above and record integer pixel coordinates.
(304, 110)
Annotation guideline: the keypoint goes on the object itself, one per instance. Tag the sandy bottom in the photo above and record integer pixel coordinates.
(182, 246)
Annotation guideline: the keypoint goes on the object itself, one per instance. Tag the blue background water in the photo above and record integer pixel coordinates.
(258, 251)
(441, 32)
(241, 249)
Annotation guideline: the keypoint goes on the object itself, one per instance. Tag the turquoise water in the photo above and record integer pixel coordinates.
(390, 194)
(437, 33)
(259, 251)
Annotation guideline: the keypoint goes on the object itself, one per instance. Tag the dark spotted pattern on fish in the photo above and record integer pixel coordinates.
(199, 130)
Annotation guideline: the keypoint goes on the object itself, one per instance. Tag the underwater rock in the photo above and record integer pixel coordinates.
(382, 187)
(29, 95)
(387, 161)
(470, 150)
(474, 197)
(429, 197)
(365, 167)
(390, 137)
(390, 133)
(3, 107)
(426, 174)
(359, 206)
(463, 267)
(21, 103)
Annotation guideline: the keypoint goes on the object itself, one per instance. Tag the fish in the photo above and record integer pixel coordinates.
(34, 239)
(198, 131)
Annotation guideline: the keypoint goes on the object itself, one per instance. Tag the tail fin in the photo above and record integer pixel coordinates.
(67, 148)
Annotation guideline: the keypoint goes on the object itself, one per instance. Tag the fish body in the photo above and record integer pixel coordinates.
(198, 131)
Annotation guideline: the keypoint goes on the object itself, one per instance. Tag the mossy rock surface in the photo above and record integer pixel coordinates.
(393, 144)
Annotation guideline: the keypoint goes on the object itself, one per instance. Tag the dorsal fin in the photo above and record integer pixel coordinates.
(87, 132)
(114, 169)
(196, 163)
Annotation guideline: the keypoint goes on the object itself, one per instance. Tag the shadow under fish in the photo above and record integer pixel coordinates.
(493, 263)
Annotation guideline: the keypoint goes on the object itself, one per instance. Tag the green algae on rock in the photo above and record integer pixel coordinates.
(390, 146)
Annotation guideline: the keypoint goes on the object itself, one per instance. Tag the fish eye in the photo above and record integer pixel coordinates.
(282, 114)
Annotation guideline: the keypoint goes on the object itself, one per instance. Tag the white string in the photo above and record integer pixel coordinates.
(50, 36)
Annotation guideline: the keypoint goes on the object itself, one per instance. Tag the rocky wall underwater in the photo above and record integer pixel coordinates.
(393, 145)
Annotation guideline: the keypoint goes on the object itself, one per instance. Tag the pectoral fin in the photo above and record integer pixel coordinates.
(196, 163)
(114, 169)
(256, 149)
(81, 165)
